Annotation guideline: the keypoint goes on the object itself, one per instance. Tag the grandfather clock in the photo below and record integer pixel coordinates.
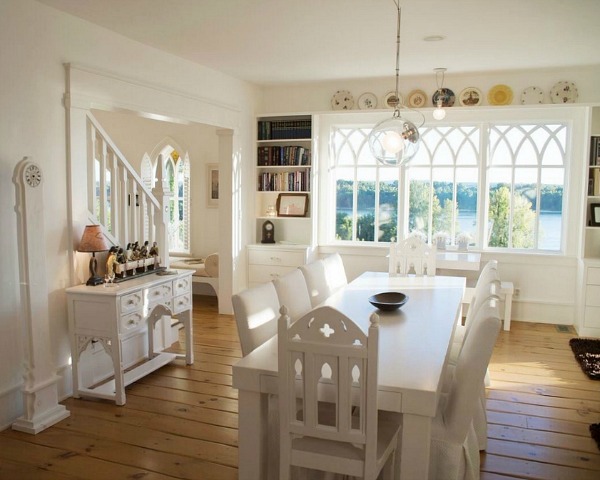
(40, 396)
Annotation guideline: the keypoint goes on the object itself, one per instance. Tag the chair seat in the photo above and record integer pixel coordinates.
(316, 453)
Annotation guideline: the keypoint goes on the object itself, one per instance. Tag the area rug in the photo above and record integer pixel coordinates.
(595, 431)
(587, 353)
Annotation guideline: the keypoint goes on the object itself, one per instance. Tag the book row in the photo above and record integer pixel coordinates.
(282, 156)
(594, 182)
(298, 181)
(283, 129)
(595, 151)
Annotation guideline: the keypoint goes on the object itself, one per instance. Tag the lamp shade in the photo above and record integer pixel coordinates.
(394, 141)
(93, 240)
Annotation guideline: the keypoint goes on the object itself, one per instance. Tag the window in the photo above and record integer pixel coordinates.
(366, 199)
(442, 181)
(507, 195)
(525, 178)
(178, 176)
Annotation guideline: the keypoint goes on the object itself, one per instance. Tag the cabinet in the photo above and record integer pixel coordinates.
(285, 164)
(115, 319)
(588, 316)
(269, 262)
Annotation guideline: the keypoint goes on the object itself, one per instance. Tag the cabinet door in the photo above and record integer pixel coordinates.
(276, 257)
(266, 273)
(593, 276)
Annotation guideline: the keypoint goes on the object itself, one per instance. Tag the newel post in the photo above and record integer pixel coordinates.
(163, 194)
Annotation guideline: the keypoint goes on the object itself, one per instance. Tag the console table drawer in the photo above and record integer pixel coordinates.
(159, 292)
(132, 302)
(276, 257)
(182, 286)
(131, 321)
(182, 303)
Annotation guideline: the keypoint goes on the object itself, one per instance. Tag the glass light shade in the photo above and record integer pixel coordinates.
(394, 141)
(439, 113)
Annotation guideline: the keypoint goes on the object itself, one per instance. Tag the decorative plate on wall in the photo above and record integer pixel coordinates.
(367, 101)
(390, 100)
(564, 92)
(447, 95)
(532, 96)
(470, 97)
(417, 99)
(342, 100)
(500, 95)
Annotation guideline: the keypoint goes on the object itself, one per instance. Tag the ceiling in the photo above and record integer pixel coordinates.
(271, 42)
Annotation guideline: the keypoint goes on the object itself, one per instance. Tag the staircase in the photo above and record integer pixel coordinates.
(119, 200)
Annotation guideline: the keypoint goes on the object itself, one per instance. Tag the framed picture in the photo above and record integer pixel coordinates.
(595, 214)
(212, 175)
(292, 204)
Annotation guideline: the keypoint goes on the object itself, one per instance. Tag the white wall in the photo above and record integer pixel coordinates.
(35, 42)
(136, 136)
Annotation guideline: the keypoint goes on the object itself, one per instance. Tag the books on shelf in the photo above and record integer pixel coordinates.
(293, 181)
(596, 182)
(289, 155)
(284, 129)
(595, 151)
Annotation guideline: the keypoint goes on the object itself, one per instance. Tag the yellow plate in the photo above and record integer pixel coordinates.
(500, 95)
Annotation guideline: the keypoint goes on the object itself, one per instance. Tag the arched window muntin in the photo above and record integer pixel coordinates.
(453, 176)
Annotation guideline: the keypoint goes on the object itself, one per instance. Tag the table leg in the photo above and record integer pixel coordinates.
(252, 432)
(416, 440)
(189, 345)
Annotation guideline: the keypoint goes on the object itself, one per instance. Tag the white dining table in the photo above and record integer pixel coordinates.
(414, 344)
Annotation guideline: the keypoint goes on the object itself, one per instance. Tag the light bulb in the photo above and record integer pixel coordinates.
(392, 142)
(439, 113)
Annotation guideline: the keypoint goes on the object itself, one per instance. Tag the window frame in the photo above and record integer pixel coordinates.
(575, 117)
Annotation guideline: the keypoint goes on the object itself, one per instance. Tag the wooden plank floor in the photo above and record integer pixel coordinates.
(181, 422)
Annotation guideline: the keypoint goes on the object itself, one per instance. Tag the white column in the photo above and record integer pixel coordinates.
(40, 394)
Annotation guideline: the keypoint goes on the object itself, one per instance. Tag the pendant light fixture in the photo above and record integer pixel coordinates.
(439, 113)
(395, 141)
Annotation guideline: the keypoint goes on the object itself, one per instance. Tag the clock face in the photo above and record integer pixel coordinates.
(269, 226)
(33, 175)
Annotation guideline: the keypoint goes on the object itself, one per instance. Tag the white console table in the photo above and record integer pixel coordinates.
(113, 315)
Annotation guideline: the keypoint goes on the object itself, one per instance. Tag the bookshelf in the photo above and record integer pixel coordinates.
(592, 224)
(588, 316)
(284, 165)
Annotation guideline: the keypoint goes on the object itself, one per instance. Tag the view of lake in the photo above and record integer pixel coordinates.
(550, 226)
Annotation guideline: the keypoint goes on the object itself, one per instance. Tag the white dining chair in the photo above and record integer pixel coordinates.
(325, 360)
(324, 277)
(486, 290)
(454, 445)
(256, 311)
(487, 285)
(412, 256)
(293, 293)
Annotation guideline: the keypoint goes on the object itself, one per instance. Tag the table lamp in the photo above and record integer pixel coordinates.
(93, 240)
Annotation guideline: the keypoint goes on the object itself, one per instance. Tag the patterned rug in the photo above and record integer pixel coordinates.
(587, 353)
(595, 431)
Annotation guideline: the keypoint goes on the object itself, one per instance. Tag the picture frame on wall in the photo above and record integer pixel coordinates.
(595, 214)
(292, 204)
(212, 192)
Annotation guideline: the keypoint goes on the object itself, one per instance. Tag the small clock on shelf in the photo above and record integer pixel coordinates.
(268, 232)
